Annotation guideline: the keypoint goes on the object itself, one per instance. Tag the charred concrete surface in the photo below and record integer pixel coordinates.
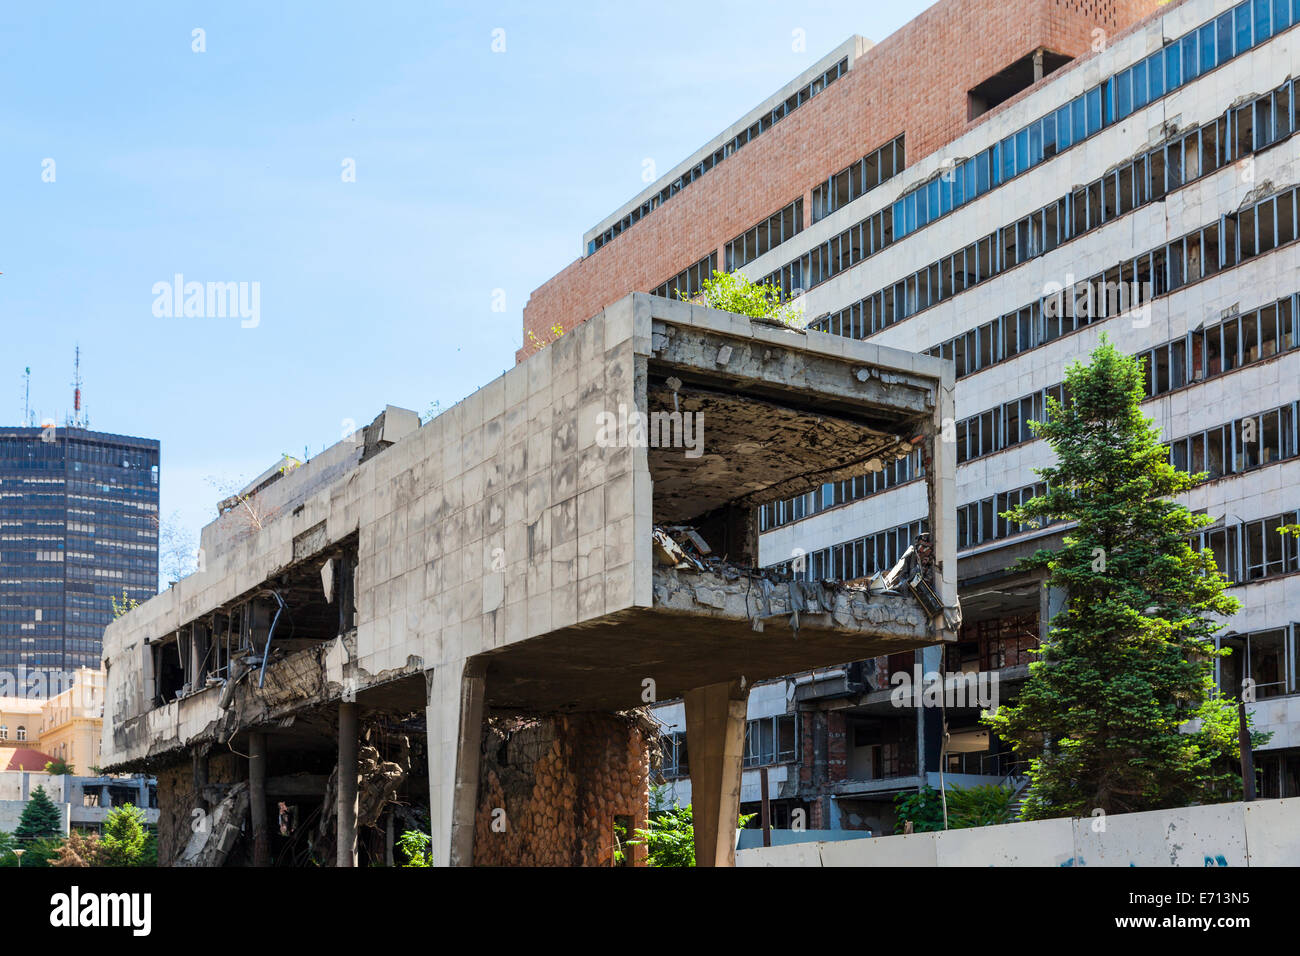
(502, 561)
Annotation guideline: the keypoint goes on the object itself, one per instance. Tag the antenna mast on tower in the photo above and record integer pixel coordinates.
(27, 396)
(77, 420)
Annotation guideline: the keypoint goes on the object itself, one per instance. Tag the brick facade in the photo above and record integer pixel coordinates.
(551, 791)
(913, 82)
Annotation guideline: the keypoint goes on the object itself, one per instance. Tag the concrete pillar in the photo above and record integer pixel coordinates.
(715, 733)
(201, 779)
(941, 482)
(347, 790)
(454, 722)
(257, 798)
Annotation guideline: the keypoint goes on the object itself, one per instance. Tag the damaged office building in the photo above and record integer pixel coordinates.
(454, 627)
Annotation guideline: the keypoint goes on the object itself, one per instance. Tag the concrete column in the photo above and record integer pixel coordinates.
(201, 779)
(715, 734)
(454, 722)
(347, 790)
(257, 798)
(941, 480)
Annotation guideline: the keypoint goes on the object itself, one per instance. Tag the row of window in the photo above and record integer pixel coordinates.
(983, 520)
(1177, 63)
(858, 558)
(1252, 550)
(1196, 356)
(830, 258)
(1239, 445)
(688, 283)
(1233, 448)
(768, 234)
(833, 493)
(21, 732)
(1160, 73)
(1132, 283)
(858, 179)
(1144, 180)
(1205, 353)
(1005, 425)
(757, 128)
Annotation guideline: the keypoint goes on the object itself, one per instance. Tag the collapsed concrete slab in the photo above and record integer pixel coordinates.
(501, 558)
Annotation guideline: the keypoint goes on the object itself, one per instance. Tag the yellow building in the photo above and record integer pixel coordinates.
(71, 721)
(66, 726)
(20, 725)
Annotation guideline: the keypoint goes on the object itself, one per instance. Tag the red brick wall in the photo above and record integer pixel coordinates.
(913, 82)
(837, 753)
(555, 788)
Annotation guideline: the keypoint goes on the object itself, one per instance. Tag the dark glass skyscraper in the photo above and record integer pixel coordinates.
(78, 528)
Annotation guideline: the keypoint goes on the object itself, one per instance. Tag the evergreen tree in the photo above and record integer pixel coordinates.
(1129, 661)
(125, 838)
(40, 819)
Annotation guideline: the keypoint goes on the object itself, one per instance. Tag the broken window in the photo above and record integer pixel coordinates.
(1018, 76)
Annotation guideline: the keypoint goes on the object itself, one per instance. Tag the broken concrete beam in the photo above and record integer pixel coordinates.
(818, 604)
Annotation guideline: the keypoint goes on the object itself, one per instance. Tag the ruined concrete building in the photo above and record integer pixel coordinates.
(466, 615)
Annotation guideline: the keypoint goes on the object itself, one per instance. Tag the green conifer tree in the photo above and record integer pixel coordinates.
(1129, 661)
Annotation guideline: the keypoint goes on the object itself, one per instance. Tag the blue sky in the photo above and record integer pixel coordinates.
(475, 171)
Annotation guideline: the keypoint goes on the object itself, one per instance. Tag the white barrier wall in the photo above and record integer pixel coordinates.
(1263, 833)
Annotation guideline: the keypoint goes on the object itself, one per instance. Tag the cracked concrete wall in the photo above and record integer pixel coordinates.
(505, 518)
(500, 520)
(177, 800)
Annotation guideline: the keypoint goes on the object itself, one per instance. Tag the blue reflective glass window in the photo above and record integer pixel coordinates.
(982, 173)
(1049, 134)
(1123, 94)
(910, 212)
(1173, 66)
(1093, 98)
(1008, 164)
(1191, 57)
(1263, 20)
(1156, 75)
(946, 183)
(995, 165)
(969, 190)
(1139, 73)
(1035, 144)
(900, 220)
(1078, 119)
(1244, 27)
(933, 204)
(1295, 11)
(922, 205)
(1023, 161)
(1223, 34)
(1281, 15)
(1063, 128)
(1208, 60)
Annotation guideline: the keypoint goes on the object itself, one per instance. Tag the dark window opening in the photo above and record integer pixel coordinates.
(1020, 75)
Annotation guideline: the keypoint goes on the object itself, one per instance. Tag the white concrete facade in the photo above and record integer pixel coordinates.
(1270, 603)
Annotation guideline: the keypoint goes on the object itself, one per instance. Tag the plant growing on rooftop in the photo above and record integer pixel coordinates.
(735, 292)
